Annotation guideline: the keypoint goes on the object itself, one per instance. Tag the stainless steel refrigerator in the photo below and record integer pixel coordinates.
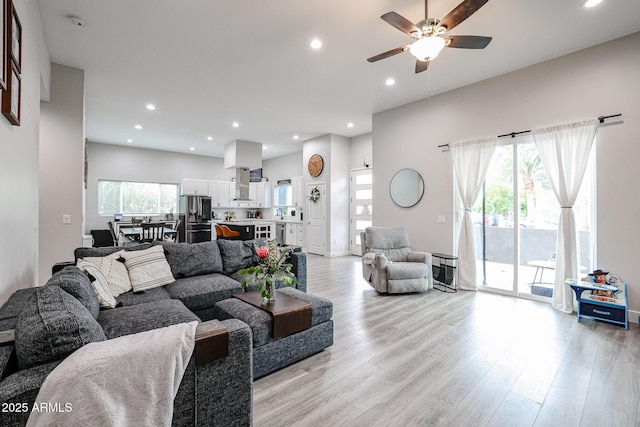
(195, 219)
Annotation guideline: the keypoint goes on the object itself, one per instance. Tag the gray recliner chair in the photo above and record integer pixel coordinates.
(389, 264)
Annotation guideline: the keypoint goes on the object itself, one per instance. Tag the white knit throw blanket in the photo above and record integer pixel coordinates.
(126, 381)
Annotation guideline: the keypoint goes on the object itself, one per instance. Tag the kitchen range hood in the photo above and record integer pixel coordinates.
(243, 156)
(242, 184)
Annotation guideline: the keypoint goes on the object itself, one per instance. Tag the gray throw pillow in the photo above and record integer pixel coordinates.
(237, 254)
(192, 259)
(106, 250)
(53, 325)
(77, 283)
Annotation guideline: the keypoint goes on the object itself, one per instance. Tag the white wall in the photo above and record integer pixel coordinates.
(361, 150)
(61, 168)
(597, 81)
(19, 171)
(283, 167)
(123, 163)
(339, 200)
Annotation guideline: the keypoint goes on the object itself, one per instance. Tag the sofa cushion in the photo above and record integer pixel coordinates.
(237, 254)
(150, 295)
(407, 270)
(204, 291)
(77, 283)
(98, 282)
(261, 322)
(144, 317)
(148, 269)
(192, 259)
(108, 250)
(14, 305)
(53, 325)
(113, 269)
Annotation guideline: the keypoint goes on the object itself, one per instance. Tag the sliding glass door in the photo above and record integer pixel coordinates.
(516, 223)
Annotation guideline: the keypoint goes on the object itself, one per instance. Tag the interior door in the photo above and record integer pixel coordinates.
(316, 220)
(361, 206)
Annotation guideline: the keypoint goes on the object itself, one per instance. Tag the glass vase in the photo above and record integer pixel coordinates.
(269, 294)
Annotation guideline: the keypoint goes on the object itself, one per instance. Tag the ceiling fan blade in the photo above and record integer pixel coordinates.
(421, 66)
(388, 53)
(467, 42)
(460, 13)
(400, 22)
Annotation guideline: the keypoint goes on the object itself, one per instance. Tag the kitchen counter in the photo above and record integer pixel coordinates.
(244, 221)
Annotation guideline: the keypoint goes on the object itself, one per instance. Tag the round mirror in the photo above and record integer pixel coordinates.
(407, 188)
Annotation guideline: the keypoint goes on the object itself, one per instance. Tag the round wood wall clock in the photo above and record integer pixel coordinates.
(316, 165)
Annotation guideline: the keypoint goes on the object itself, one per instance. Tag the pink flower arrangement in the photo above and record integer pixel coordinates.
(272, 267)
(262, 252)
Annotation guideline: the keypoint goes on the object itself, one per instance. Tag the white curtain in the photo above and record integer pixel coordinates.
(470, 161)
(564, 152)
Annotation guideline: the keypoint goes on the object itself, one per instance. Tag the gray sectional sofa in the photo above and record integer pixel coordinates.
(218, 392)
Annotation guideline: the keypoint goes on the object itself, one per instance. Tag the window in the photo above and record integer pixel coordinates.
(515, 222)
(283, 195)
(136, 198)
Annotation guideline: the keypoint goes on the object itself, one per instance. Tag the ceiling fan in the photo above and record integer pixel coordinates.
(430, 33)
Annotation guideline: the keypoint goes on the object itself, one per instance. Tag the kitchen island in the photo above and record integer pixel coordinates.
(251, 228)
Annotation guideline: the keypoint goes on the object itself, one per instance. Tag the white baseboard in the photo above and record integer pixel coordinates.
(340, 253)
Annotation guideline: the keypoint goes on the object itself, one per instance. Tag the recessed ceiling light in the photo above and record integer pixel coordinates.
(390, 82)
(192, 148)
(151, 107)
(295, 137)
(264, 147)
(349, 125)
(138, 127)
(591, 3)
(129, 140)
(209, 138)
(315, 44)
(236, 124)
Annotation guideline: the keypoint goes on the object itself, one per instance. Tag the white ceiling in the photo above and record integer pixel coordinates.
(206, 64)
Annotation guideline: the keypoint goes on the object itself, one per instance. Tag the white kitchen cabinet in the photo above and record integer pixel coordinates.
(220, 192)
(296, 191)
(294, 234)
(194, 187)
(300, 235)
(260, 194)
(291, 234)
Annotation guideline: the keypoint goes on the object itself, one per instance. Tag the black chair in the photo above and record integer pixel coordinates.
(101, 238)
(152, 232)
(113, 233)
(174, 237)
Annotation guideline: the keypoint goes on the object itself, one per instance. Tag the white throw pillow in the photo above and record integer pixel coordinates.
(148, 268)
(99, 283)
(114, 271)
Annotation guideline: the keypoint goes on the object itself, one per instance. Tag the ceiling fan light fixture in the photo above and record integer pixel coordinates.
(427, 48)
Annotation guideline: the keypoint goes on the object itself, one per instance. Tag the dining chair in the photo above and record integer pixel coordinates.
(218, 231)
(228, 233)
(174, 237)
(152, 232)
(113, 233)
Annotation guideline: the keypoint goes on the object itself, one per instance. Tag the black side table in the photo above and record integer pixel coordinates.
(445, 273)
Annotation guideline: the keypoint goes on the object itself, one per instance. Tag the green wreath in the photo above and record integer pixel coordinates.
(315, 194)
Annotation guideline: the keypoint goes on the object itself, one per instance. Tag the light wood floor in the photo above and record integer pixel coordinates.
(463, 359)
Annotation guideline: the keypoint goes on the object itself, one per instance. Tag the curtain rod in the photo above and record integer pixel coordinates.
(601, 119)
